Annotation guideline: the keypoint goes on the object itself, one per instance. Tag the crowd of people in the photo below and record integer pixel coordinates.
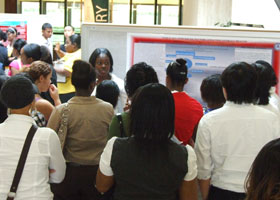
(101, 137)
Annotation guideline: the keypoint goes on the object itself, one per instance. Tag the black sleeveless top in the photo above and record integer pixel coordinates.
(143, 176)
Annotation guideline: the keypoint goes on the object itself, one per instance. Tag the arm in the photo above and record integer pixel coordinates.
(57, 164)
(54, 94)
(103, 183)
(188, 190)
(44, 107)
(62, 71)
(59, 52)
(55, 119)
(204, 186)
(114, 128)
(105, 175)
(204, 161)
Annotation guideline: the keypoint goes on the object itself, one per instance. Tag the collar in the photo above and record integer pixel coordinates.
(16, 117)
(83, 100)
(232, 104)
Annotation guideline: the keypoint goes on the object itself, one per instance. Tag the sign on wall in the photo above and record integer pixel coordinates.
(101, 10)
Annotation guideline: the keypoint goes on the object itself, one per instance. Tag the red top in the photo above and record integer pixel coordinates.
(188, 112)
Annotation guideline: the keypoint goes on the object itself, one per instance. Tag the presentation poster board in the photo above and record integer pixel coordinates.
(21, 27)
(204, 57)
(206, 50)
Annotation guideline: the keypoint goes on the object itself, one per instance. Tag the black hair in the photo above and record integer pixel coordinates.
(12, 30)
(264, 83)
(3, 108)
(97, 52)
(262, 181)
(18, 44)
(32, 51)
(83, 75)
(211, 90)
(274, 79)
(3, 36)
(46, 25)
(152, 115)
(46, 55)
(177, 72)
(108, 91)
(240, 79)
(76, 40)
(138, 75)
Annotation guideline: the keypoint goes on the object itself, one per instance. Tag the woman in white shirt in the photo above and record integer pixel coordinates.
(102, 60)
(45, 162)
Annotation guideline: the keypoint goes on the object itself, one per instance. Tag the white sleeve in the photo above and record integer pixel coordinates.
(105, 159)
(57, 161)
(192, 167)
(203, 151)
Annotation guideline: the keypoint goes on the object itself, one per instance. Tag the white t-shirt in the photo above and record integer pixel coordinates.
(106, 169)
(228, 140)
(44, 154)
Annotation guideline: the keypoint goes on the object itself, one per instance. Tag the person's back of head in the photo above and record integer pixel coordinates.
(265, 80)
(138, 75)
(274, 79)
(152, 115)
(177, 73)
(3, 36)
(30, 53)
(108, 91)
(264, 176)
(18, 44)
(239, 81)
(83, 75)
(212, 91)
(38, 69)
(46, 55)
(3, 108)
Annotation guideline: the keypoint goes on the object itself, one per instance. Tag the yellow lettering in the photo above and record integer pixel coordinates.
(100, 18)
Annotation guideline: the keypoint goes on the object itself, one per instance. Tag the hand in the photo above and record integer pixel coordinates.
(57, 46)
(54, 94)
(127, 105)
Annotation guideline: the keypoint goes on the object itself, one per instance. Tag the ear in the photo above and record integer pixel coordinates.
(30, 60)
(187, 80)
(41, 78)
(225, 93)
(92, 86)
(167, 82)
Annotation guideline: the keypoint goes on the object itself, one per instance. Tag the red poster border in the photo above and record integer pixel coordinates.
(209, 42)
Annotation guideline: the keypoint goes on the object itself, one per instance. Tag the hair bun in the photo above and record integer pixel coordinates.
(181, 61)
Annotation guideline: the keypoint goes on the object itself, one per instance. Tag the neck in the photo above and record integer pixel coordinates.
(83, 93)
(215, 106)
(21, 111)
(102, 78)
(177, 88)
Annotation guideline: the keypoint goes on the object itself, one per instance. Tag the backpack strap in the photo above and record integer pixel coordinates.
(21, 162)
(119, 116)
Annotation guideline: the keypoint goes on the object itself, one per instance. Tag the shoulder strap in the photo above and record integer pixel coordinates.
(119, 116)
(21, 162)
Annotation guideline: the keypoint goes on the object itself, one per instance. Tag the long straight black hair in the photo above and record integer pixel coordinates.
(152, 115)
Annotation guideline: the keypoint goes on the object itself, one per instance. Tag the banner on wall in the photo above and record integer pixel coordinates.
(101, 10)
(21, 27)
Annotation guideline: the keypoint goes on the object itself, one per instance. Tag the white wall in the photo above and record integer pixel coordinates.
(263, 12)
(206, 12)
